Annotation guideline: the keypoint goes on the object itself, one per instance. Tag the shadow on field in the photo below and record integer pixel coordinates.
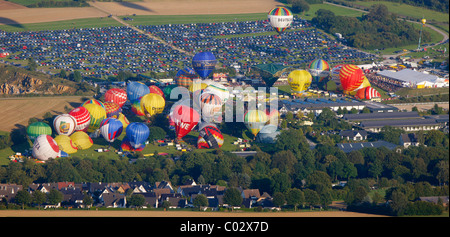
(10, 22)
(135, 6)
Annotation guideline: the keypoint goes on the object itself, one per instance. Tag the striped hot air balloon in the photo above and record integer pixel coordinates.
(367, 93)
(351, 77)
(209, 137)
(116, 95)
(255, 120)
(95, 102)
(210, 105)
(112, 109)
(111, 128)
(185, 77)
(136, 107)
(218, 89)
(97, 115)
(38, 128)
(156, 90)
(280, 18)
(319, 70)
(83, 118)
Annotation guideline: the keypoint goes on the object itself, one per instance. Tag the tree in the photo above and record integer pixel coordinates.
(38, 198)
(299, 6)
(32, 65)
(200, 201)
(295, 197)
(278, 199)
(23, 198)
(232, 197)
(87, 200)
(62, 73)
(136, 200)
(399, 202)
(54, 197)
(311, 197)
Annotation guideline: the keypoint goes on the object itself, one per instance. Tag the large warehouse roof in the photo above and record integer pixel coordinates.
(408, 75)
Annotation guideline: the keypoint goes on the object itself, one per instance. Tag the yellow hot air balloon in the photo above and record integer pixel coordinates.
(197, 86)
(65, 144)
(299, 80)
(97, 115)
(255, 120)
(81, 140)
(152, 104)
(124, 121)
(424, 21)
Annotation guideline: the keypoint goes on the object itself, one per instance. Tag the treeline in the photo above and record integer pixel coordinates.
(375, 30)
(436, 5)
(53, 3)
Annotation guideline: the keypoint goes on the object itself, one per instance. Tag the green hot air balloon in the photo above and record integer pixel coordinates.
(38, 128)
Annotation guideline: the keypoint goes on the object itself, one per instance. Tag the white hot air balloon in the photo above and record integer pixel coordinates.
(45, 147)
(64, 124)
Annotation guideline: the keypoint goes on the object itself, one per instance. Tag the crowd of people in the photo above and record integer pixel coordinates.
(100, 52)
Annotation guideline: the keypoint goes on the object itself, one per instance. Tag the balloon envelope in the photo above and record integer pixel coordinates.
(319, 70)
(111, 128)
(44, 148)
(94, 101)
(367, 93)
(280, 18)
(81, 140)
(97, 115)
(82, 117)
(64, 124)
(116, 95)
(210, 104)
(136, 90)
(156, 90)
(209, 137)
(185, 77)
(299, 80)
(124, 120)
(66, 144)
(351, 77)
(204, 63)
(136, 107)
(137, 133)
(185, 119)
(38, 128)
(255, 120)
(152, 104)
(112, 109)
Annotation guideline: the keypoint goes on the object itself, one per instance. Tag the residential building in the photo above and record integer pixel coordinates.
(354, 135)
(409, 139)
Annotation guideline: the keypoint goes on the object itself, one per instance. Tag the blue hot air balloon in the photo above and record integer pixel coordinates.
(137, 134)
(135, 90)
(111, 128)
(204, 63)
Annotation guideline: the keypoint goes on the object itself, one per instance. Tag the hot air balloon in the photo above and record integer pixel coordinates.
(81, 140)
(137, 134)
(185, 119)
(351, 77)
(218, 89)
(152, 104)
(299, 80)
(209, 137)
(255, 120)
(167, 90)
(335, 72)
(185, 77)
(204, 64)
(126, 146)
(111, 128)
(136, 107)
(44, 148)
(136, 90)
(367, 93)
(268, 134)
(112, 109)
(65, 144)
(280, 18)
(95, 102)
(38, 128)
(64, 124)
(82, 117)
(124, 121)
(116, 95)
(156, 90)
(197, 85)
(319, 70)
(210, 105)
(97, 115)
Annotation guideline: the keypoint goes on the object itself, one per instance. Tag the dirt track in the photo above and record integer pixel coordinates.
(144, 213)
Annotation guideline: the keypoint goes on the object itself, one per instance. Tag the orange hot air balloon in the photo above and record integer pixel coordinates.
(351, 77)
(367, 93)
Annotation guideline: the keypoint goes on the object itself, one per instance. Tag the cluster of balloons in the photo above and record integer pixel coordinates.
(354, 82)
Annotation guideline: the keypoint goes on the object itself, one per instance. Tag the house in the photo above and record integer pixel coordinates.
(354, 135)
(175, 200)
(9, 191)
(409, 139)
(151, 200)
(250, 197)
(164, 185)
(348, 147)
(113, 200)
(72, 196)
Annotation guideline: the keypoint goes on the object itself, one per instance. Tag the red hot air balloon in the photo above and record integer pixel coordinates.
(83, 118)
(156, 90)
(185, 119)
(367, 93)
(116, 95)
(351, 77)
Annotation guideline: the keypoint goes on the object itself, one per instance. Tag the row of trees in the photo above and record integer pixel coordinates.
(375, 30)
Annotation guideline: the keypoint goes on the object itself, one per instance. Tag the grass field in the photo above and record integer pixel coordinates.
(62, 25)
(338, 11)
